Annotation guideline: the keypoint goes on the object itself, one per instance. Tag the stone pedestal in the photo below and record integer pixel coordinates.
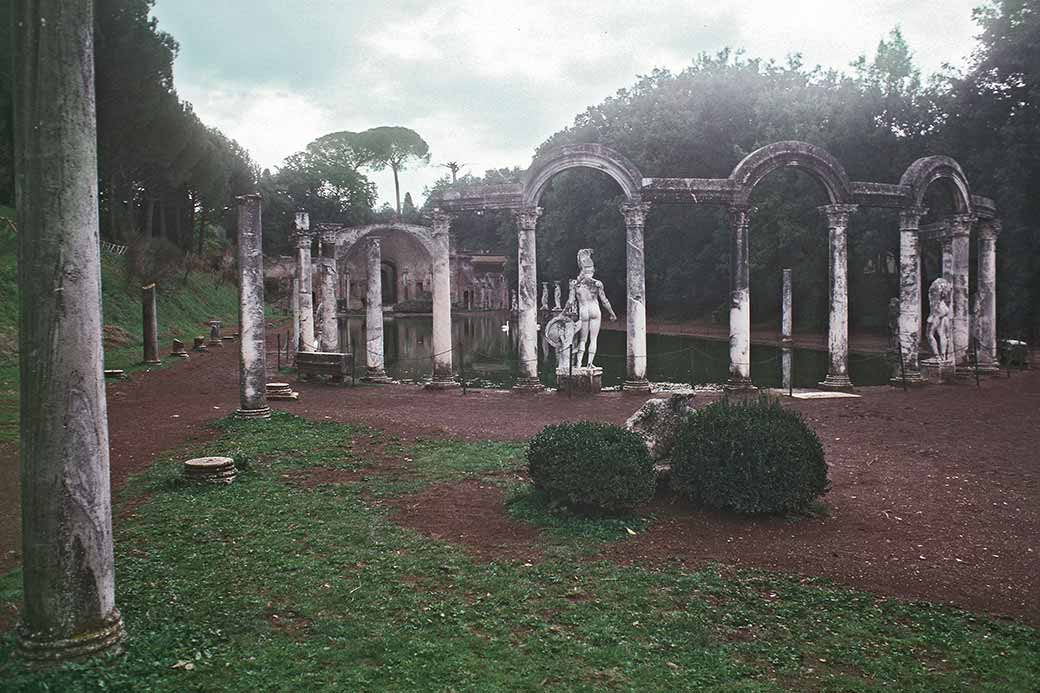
(938, 370)
(281, 391)
(199, 344)
(586, 380)
(211, 470)
(215, 338)
(178, 349)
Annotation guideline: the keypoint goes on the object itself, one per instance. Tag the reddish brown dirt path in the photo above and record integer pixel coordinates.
(946, 473)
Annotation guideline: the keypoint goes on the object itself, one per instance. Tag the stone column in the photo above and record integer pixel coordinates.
(294, 300)
(740, 301)
(68, 573)
(910, 294)
(301, 237)
(328, 328)
(960, 232)
(786, 323)
(988, 230)
(252, 363)
(151, 325)
(374, 316)
(527, 299)
(838, 325)
(442, 374)
(635, 217)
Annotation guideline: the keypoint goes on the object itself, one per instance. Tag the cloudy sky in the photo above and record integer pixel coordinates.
(484, 83)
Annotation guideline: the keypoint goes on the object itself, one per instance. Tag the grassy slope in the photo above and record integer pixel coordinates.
(183, 307)
(264, 585)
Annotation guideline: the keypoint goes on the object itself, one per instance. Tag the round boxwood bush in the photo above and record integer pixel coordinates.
(591, 466)
(749, 457)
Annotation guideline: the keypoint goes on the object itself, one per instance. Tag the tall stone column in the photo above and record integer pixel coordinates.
(740, 301)
(374, 315)
(302, 238)
(786, 323)
(442, 364)
(252, 363)
(151, 325)
(294, 301)
(68, 573)
(988, 230)
(636, 356)
(527, 301)
(910, 293)
(960, 232)
(328, 327)
(838, 324)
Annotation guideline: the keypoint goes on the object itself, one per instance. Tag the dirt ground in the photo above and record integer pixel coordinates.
(936, 492)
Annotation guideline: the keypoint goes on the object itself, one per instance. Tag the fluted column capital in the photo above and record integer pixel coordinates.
(635, 212)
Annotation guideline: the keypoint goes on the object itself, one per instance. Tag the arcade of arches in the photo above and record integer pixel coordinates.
(963, 216)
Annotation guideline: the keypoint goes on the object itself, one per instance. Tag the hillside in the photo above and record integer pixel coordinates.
(184, 305)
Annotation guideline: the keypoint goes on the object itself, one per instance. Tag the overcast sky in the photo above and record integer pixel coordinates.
(484, 83)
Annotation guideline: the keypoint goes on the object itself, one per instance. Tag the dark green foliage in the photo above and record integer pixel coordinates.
(591, 466)
(749, 457)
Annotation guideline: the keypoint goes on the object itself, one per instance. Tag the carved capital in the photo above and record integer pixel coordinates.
(960, 224)
(527, 217)
(910, 218)
(302, 220)
(441, 221)
(989, 229)
(635, 212)
(740, 216)
(301, 239)
(837, 216)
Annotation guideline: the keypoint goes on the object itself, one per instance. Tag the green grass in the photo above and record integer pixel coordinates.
(266, 585)
(183, 306)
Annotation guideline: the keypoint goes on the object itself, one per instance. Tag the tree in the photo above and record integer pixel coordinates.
(408, 211)
(394, 147)
(68, 563)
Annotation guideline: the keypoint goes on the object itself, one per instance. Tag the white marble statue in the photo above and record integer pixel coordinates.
(589, 294)
(939, 313)
(545, 295)
(557, 296)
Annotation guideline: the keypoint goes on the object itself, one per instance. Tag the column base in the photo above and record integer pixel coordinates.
(41, 652)
(528, 384)
(913, 379)
(840, 383)
(441, 384)
(153, 363)
(989, 369)
(377, 375)
(262, 413)
(738, 384)
(938, 371)
(639, 385)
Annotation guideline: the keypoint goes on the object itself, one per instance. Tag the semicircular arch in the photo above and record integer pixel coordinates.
(594, 156)
(920, 175)
(808, 157)
(346, 238)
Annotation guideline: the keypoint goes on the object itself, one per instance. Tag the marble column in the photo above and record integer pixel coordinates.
(527, 299)
(301, 237)
(68, 607)
(328, 327)
(151, 325)
(252, 362)
(988, 230)
(740, 301)
(960, 232)
(442, 363)
(294, 301)
(786, 323)
(374, 316)
(635, 218)
(838, 324)
(910, 294)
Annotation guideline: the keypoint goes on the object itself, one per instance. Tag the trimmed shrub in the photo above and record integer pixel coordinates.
(591, 466)
(749, 457)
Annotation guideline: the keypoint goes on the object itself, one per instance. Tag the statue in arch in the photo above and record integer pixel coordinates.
(588, 292)
(938, 326)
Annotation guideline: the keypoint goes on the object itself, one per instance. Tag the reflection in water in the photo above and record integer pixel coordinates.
(488, 355)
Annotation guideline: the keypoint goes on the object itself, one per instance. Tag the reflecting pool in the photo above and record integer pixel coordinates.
(486, 353)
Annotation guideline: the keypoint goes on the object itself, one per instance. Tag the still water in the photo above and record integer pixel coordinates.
(487, 354)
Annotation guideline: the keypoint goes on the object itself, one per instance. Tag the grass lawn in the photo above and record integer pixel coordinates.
(268, 585)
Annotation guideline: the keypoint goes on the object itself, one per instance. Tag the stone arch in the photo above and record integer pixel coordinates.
(926, 170)
(595, 156)
(346, 237)
(808, 157)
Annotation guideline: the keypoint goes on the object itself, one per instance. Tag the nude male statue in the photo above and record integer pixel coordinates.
(589, 294)
(938, 329)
